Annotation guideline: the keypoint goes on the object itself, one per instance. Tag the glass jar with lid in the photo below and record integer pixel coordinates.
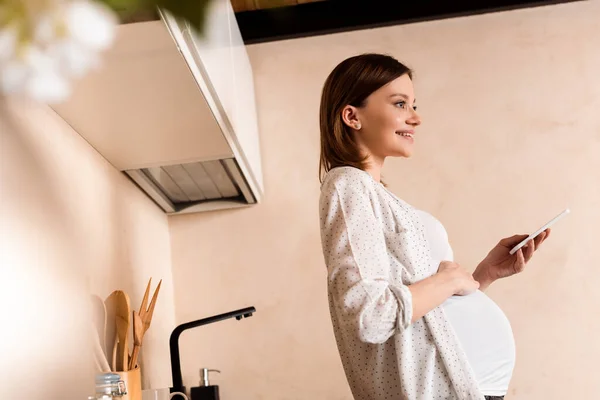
(109, 386)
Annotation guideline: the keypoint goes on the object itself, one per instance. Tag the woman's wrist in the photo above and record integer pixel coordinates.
(482, 275)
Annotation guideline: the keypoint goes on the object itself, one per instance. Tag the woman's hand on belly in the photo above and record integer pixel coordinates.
(462, 279)
(450, 279)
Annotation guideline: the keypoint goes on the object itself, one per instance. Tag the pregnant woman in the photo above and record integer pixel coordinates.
(409, 322)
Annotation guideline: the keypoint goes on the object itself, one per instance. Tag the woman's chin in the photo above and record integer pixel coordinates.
(404, 152)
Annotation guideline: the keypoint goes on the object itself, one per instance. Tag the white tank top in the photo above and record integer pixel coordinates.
(480, 325)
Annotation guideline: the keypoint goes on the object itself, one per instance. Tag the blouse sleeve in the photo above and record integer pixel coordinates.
(363, 296)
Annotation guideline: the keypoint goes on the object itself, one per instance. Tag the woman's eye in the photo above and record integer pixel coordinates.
(404, 106)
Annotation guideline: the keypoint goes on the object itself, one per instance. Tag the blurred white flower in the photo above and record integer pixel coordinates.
(76, 60)
(13, 77)
(8, 41)
(47, 44)
(90, 24)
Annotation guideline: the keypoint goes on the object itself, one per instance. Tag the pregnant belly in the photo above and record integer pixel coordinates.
(487, 339)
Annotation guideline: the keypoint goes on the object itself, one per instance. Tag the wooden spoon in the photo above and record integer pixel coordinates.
(111, 330)
(120, 301)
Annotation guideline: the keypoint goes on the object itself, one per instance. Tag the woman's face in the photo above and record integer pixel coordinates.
(384, 126)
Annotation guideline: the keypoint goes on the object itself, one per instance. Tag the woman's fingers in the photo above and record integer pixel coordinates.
(520, 263)
(513, 240)
(529, 250)
(540, 238)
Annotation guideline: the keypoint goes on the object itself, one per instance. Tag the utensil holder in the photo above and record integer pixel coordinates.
(133, 383)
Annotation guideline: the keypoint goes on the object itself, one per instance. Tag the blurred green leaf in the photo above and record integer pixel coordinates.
(127, 7)
(193, 11)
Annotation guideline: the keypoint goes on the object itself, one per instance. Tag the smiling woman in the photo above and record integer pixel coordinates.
(409, 322)
(386, 120)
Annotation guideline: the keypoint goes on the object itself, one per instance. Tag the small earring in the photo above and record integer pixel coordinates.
(356, 126)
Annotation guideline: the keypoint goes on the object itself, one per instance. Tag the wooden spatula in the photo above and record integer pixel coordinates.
(119, 302)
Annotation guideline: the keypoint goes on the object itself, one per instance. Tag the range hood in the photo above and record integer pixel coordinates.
(175, 111)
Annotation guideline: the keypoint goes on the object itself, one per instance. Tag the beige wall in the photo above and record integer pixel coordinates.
(509, 139)
(71, 225)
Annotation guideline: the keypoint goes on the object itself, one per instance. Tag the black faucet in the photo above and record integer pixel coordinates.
(174, 342)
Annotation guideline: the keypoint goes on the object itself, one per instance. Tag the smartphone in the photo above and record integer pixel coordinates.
(542, 229)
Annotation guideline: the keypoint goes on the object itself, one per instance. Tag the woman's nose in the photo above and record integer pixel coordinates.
(414, 119)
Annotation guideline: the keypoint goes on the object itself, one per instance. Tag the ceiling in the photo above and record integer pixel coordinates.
(270, 20)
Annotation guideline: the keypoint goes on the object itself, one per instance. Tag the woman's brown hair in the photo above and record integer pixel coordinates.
(350, 83)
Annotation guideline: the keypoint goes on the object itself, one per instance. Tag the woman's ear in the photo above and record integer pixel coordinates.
(350, 117)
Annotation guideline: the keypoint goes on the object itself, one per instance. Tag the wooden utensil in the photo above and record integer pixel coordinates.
(99, 320)
(122, 321)
(145, 314)
(111, 330)
(138, 335)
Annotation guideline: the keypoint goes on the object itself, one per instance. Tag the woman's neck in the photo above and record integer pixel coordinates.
(374, 167)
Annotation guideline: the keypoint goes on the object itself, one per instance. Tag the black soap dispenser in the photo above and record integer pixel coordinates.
(206, 391)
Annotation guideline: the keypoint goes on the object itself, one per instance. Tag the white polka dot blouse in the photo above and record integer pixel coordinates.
(374, 246)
